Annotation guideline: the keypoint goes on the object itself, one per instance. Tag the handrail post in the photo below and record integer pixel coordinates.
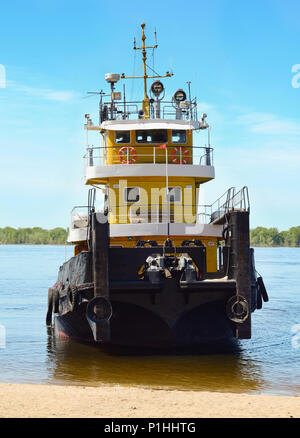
(90, 157)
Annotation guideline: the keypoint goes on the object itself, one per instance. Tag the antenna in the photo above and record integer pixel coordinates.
(156, 45)
(124, 101)
(146, 103)
(189, 86)
(101, 94)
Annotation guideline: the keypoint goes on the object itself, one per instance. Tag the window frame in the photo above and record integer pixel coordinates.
(178, 142)
(174, 187)
(124, 194)
(152, 141)
(128, 142)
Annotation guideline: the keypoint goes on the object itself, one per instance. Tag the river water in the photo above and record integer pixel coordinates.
(268, 363)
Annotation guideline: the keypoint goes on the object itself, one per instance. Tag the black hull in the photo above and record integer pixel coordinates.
(135, 326)
(101, 297)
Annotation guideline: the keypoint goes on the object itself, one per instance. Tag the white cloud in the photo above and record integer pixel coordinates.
(268, 123)
(45, 93)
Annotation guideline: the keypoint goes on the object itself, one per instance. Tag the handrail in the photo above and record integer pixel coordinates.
(114, 110)
(177, 212)
(234, 200)
(100, 155)
(79, 219)
(240, 200)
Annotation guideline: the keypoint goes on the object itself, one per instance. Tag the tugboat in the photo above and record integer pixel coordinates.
(153, 268)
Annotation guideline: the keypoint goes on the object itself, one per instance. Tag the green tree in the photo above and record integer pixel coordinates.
(34, 236)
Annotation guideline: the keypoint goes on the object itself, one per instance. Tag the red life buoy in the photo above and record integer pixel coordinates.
(124, 154)
(185, 155)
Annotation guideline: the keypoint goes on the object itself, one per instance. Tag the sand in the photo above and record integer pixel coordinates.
(31, 400)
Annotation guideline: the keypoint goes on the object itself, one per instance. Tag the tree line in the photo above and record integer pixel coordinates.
(33, 236)
(259, 236)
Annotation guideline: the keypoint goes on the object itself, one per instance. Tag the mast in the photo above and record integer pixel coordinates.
(146, 102)
(146, 98)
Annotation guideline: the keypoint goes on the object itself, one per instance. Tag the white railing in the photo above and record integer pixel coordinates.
(79, 217)
(125, 110)
(229, 201)
(100, 156)
(154, 213)
(176, 212)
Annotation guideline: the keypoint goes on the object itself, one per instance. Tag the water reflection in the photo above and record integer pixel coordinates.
(266, 363)
(220, 368)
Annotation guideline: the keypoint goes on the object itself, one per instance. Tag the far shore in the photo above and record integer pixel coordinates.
(53, 401)
(70, 244)
(38, 244)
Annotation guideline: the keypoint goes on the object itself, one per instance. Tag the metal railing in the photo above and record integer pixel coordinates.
(174, 212)
(79, 216)
(126, 154)
(229, 201)
(135, 213)
(114, 110)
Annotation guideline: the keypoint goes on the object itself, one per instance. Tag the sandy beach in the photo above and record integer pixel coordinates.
(31, 400)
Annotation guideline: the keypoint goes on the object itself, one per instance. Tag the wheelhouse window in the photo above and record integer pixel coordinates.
(151, 136)
(122, 137)
(131, 194)
(174, 194)
(178, 136)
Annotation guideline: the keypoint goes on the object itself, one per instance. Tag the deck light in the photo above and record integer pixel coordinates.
(179, 95)
(157, 88)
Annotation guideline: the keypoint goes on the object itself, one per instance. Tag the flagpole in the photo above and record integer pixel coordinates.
(165, 146)
(167, 191)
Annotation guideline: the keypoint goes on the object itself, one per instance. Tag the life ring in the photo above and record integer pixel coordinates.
(185, 155)
(123, 155)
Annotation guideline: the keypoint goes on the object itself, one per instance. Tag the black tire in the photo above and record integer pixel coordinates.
(262, 289)
(55, 307)
(73, 297)
(106, 309)
(50, 307)
(258, 299)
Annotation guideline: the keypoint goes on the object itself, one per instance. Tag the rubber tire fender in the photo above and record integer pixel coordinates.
(258, 299)
(73, 297)
(50, 307)
(55, 307)
(262, 289)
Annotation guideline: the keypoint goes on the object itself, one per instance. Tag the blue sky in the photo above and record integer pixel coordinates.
(238, 56)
